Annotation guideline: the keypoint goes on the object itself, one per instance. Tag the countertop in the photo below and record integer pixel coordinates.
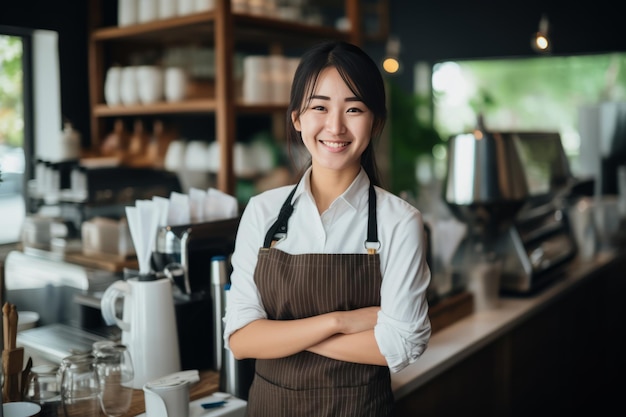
(457, 341)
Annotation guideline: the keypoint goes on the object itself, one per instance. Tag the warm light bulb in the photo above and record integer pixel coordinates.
(391, 65)
(542, 42)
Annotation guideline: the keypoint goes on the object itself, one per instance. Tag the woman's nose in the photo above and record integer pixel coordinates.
(335, 123)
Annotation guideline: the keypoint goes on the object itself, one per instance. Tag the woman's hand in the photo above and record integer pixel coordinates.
(356, 321)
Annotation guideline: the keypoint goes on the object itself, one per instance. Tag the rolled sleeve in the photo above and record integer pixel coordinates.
(243, 302)
(401, 343)
(403, 327)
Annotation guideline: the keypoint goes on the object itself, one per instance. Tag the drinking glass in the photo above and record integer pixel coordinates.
(42, 387)
(115, 374)
(79, 386)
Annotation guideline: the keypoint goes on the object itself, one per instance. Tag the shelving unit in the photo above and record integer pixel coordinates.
(224, 29)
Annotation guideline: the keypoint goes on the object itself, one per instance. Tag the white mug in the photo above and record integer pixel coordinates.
(20, 409)
(167, 9)
(256, 80)
(149, 83)
(147, 10)
(175, 84)
(204, 5)
(167, 397)
(112, 86)
(186, 7)
(175, 155)
(126, 12)
(128, 86)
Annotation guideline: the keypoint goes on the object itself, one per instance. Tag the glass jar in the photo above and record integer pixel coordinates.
(43, 388)
(79, 386)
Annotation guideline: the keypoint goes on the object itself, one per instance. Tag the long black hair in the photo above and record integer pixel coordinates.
(361, 75)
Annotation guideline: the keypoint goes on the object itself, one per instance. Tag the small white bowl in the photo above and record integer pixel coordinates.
(20, 409)
(26, 320)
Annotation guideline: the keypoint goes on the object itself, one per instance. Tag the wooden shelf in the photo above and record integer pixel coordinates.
(248, 27)
(189, 106)
(182, 107)
(227, 32)
(156, 28)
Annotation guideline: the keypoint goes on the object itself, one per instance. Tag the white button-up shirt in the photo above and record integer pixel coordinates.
(403, 328)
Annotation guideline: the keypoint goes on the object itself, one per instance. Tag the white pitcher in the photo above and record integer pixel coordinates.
(148, 325)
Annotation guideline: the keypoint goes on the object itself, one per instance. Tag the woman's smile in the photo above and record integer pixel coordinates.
(334, 145)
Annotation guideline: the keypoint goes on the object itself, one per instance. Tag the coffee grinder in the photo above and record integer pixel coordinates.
(485, 187)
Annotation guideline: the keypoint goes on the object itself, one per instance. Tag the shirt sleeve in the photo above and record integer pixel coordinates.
(244, 301)
(403, 328)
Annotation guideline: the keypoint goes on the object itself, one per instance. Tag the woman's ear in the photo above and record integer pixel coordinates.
(295, 120)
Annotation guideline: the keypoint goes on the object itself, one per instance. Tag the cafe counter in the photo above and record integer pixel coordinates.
(555, 352)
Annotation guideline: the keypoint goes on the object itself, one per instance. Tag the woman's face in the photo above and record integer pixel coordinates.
(336, 127)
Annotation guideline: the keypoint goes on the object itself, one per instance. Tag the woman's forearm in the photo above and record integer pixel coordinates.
(358, 347)
(270, 339)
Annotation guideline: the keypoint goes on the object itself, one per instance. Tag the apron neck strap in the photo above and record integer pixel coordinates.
(372, 244)
(279, 228)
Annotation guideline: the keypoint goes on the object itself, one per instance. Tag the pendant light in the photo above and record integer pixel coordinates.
(540, 42)
(391, 62)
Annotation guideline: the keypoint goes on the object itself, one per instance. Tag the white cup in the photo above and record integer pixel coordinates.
(149, 83)
(484, 284)
(165, 398)
(196, 156)
(186, 7)
(126, 12)
(167, 9)
(20, 409)
(147, 10)
(256, 80)
(175, 155)
(128, 86)
(112, 86)
(204, 5)
(175, 84)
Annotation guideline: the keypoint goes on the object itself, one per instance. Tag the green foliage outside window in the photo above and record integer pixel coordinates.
(11, 103)
(539, 93)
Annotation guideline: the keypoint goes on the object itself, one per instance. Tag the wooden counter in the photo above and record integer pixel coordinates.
(553, 353)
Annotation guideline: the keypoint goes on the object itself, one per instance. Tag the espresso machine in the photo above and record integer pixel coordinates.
(506, 186)
(184, 253)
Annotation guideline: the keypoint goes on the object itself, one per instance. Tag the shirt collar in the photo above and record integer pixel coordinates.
(353, 196)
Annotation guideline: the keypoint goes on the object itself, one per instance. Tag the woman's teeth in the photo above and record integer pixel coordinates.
(335, 144)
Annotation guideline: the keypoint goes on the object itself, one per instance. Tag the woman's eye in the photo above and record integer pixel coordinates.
(354, 110)
(319, 108)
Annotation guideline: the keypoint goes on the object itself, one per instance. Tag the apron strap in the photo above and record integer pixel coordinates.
(372, 244)
(279, 228)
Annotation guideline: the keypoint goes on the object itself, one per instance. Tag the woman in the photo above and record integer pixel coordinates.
(335, 297)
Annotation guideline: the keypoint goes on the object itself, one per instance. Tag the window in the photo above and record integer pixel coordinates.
(12, 137)
(537, 93)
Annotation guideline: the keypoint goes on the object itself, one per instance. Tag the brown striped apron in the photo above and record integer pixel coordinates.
(299, 286)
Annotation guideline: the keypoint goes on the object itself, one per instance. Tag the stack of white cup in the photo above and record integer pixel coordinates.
(144, 84)
(267, 78)
(131, 12)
